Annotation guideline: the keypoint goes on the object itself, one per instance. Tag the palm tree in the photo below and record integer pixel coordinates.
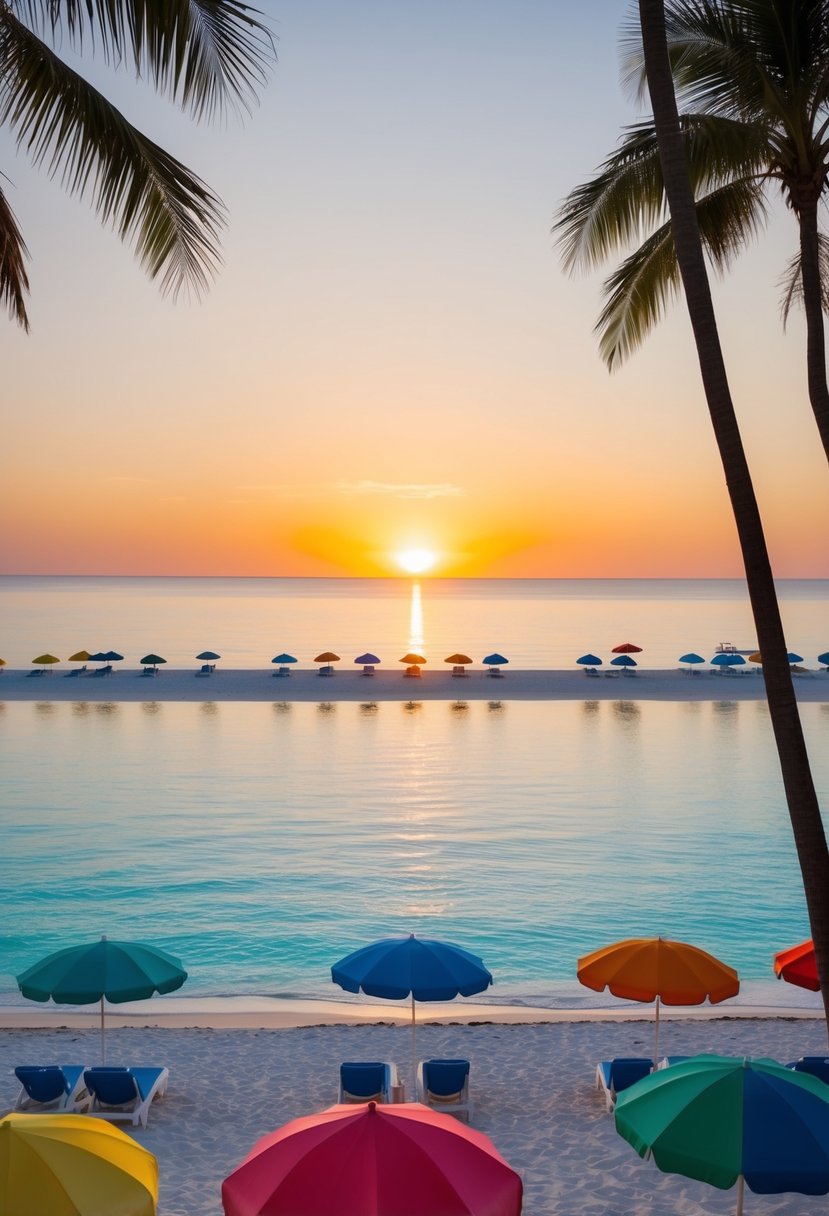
(804, 810)
(206, 55)
(753, 79)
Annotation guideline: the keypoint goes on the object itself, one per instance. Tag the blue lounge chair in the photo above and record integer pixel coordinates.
(444, 1085)
(613, 1076)
(125, 1095)
(56, 1087)
(370, 1082)
(816, 1066)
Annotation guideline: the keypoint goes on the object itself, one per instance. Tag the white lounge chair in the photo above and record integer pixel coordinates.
(444, 1085)
(53, 1087)
(125, 1095)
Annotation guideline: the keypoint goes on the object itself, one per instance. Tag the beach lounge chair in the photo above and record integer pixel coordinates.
(591, 671)
(444, 1085)
(413, 671)
(459, 671)
(150, 671)
(368, 669)
(125, 1095)
(55, 1087)
(103, 671)
(327, 670)
(281, 672)
(816, 1066)
(205, 670)
(36, 671)
(613, 1076)
(371, 1082)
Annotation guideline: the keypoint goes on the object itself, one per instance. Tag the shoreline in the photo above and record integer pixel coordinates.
(304, 686)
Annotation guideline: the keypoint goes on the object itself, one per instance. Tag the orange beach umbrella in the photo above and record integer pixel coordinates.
(656, 969)
(327, 656)
(798, 965)
(459, 660)
(413, 660)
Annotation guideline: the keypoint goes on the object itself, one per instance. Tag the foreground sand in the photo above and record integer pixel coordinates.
(532, 1087)
(350, 685)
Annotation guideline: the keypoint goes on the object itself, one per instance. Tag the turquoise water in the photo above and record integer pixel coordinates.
(262, 842)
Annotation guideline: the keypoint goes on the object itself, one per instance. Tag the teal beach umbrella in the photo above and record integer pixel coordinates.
(284, 658)
(691, 658)
(103, 970)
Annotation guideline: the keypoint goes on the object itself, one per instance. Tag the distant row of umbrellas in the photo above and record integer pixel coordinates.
(719, 1119)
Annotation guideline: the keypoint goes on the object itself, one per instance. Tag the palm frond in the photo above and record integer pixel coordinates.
(14, 282)
(626, 198)
(151, 199)
(791, 280)
(206, 54)
(641, 288)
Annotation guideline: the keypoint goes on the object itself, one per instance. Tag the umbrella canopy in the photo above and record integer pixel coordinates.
(657, 969)
(99, 656)
(413, 660)
(71, 1165)
(44, 660)
(589, 660)
(794, 658)
(691, 658)
(494, 660)
(284, 659)
(367, 659)
(208, 656)
(756, 657)
(627, 648)
(2, 662)
(152, 660)
(383, 1160)
(798, 965)
(459, 660)
(416, 967)
(112, 656)
(721, 1119)
(824, 658)
(623, 660)
(82, 656)
(727, 660)
(327, 656)
(103, 970)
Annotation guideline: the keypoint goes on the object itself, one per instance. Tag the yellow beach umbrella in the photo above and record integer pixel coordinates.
(81, 657)
(2, 662)
(72, 1165)
(45, 660)
(656, 969)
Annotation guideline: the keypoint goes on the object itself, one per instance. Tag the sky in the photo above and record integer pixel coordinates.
(391, 358)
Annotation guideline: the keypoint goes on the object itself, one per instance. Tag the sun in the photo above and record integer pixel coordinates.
(416, 561)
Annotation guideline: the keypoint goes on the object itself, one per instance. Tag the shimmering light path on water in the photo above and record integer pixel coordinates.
(261, 842)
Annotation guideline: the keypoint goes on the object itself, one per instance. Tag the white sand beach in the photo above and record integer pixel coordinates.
(351, 685)
(532, 1086)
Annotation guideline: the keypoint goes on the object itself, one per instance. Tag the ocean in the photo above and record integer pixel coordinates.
(261, 842)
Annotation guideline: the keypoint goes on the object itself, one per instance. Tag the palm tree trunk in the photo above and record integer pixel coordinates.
(813, 306)
(804, 811)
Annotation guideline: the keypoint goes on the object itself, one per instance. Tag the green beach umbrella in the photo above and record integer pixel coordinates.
(722, 1119)
(152, 660)
(102, 971)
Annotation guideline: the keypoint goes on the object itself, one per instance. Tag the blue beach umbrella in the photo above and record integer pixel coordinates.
(723, 1120)
(494, 660)
(367, 659)
(623, 660)
(416, 967)
(103, 970)
(591, 660)
(283, 659)
(727, 660)
(691, 658)
(794, 658)
(824, 658)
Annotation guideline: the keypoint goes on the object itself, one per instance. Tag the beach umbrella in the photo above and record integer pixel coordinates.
(81, 656)
(458, 660)
(824, 658)
(756, 657)
(623, 660)
(691, 658)
(727, 660)
(208, 656)
(45, 660)
(798, 966)
(367, 659)
(102, 971)
(284, 659)
(626, 648)
(413, 660)
(71, 1165)
(382, 1160)
(112, 656)
(794, 658)
(722, 1120)
(589, 660)
(657, 969)
(416, 967)
(152, 660)
(2, 662)
(327, 656)
(494, 660)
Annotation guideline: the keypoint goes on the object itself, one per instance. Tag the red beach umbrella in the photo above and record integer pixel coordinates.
(798, 966)
(379, 1160)
(627, 648)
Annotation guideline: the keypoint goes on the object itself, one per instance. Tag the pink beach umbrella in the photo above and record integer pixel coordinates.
(385, 1160)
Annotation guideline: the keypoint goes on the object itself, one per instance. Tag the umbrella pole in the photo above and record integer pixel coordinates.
(414, 1053)
(656, 1035)
(741, 1186)
(103, 1039)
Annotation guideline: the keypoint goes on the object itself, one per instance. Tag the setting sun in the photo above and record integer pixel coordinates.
(416, 561)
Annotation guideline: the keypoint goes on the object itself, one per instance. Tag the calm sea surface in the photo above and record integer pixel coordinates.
(262, 842)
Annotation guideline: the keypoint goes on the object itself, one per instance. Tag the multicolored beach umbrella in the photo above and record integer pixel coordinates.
(102, 971)
(420, 968)
(657, 969)
(380, 1159)
(798, 966)
(71, 1165)
(722, 1120)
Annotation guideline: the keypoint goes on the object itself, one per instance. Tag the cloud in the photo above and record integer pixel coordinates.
(414, 489)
